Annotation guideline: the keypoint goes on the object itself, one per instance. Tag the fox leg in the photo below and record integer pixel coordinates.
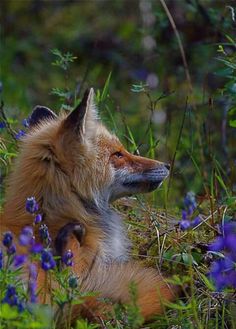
(72, 236)
(113, 280)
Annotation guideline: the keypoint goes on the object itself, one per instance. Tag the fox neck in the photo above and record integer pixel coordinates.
(115, 244)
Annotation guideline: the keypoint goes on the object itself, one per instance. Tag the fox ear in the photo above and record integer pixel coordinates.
(39, 114)
(84, 113)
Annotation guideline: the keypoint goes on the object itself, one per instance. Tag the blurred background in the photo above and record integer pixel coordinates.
(166, 86)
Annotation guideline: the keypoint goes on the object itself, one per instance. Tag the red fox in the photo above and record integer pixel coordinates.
(75, 168)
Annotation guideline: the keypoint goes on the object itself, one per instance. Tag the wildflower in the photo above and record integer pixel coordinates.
(73, 282)
(47, 260)
(190, 205)
(33, 271)
(19, 260)
(38, 219)
(36, 248)
(1, 259)
(218, 244)
(31, 205)
(2, 124)
(189, 201)
(20, 134)
(11, 250)
(196, 221)
(32, 287)
(184, 225)
(67, 258)
(32, 291)
(26, 236)
(223, 270)
(7, 239)
(12, 299)
(44, 234)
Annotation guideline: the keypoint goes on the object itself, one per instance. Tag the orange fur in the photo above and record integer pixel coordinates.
(74, 167)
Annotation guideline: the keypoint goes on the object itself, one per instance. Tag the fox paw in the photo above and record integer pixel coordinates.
(70, 236)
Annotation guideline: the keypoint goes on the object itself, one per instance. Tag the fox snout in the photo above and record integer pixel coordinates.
(148, 180)
(145, 175)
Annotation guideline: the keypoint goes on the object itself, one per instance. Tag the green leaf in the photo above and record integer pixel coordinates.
(105, 88)
(7, 312)
(232, 123)
(207, 282)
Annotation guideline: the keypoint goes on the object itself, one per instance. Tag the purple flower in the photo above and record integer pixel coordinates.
(38, 219)
(32, 287)
(190, 206)
(184, 225)
(19, 260)
(47, 260)
(184, 214)
(11, 250)
(223, 270)
(32, 291)
(12, 299)
(36, 248)
(189, 201)
(196, 221)
(31, 205)
(20, 134)
(44, 234)
(7, 239)
(33, 271)
(217, 245)
(67, 258)
(2, 125)
(26, 236)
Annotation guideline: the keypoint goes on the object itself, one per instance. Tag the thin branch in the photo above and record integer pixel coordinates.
(181, 48)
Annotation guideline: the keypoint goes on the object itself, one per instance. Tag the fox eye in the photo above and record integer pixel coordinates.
(118, 154)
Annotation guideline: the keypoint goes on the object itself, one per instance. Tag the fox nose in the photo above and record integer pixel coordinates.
(167, 166)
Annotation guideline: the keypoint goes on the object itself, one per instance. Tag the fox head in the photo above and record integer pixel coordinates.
(94, 160)
(71, 162)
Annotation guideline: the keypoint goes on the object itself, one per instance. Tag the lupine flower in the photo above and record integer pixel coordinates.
(20, 134)
(11, 250)
(189, 200)
(47, 260)
(19, 260)
(33, 271)
(67, 258)
(184, 225)
(7, 239)
(36, 248)
(73, 281)
(190, 206)
(1, 259)
(32, 291)
(26, 236)
(31, 205)
(44, 234)
(32, 287)
(38, 219)
(196, 221)
(223, 270)
(2, 124)
(12, 299)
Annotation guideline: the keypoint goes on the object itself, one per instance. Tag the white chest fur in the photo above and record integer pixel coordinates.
(116, 245)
